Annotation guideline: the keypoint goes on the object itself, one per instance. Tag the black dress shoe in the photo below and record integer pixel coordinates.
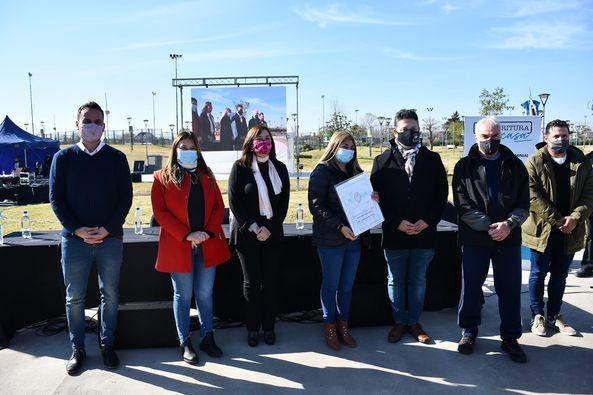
(269, 337)
(466, 345)
(209, 346)
(252, 338)
(514, 350)
(110, 359)
(188, 353)
(75, 362)
(585, 271)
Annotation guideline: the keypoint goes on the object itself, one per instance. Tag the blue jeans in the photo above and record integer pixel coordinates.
(339, 265)
(506, 262)
(407, 269)
(199, 283)
(557, 263)
(77, 260)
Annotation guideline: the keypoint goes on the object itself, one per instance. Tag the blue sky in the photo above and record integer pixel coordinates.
(269, 100)
(372, 56)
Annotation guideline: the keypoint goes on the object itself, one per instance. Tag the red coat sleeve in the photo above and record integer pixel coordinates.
(164, 217)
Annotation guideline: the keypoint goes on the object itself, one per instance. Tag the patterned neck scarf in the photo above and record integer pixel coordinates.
(409, 155)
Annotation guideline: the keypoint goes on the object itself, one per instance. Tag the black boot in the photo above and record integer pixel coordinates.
(209, 345)
(188, 353)
(586, 270)
(75, 362)
(269, 337)
(252, 338)
(110, 359)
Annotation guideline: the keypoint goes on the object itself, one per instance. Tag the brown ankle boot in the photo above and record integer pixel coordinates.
(344, 334)
(331, 336)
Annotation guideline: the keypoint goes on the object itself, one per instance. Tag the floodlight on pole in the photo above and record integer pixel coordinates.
(31, 100)
(131, 130)
(172, 127)
(174, 57)
(323, 114)
(543, 97)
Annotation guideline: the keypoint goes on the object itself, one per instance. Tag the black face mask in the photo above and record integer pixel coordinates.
(408, 137)
(559, 147)
(489, 147)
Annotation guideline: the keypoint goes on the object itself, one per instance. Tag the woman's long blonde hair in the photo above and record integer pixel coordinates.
(172, 170)
(332, 147)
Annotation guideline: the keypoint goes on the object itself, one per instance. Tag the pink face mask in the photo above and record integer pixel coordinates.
(262, 147)
(92, 132)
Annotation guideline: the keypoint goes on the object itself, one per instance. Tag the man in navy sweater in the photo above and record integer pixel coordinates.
(90, 191)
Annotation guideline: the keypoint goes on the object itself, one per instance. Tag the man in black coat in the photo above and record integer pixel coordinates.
(412, 184)
(254, 121)
(207, 127)
(491, 194)
(226, 132)
(239, 127)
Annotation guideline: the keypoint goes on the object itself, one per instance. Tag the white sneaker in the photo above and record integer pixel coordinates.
(539, 325)
(559, 324)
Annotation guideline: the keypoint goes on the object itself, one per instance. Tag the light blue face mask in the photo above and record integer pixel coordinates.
(344, 155)
(188, 159)
(194, 108)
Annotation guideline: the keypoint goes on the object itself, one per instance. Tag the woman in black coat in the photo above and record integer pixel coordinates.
(337, 246)
(259, 191)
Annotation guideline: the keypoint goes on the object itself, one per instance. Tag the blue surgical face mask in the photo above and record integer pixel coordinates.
(188, 159)
(344, 155)
(194, 108)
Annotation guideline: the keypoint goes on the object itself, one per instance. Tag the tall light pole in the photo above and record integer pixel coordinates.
(387, 122)
(144, 138)
(429, 109)
(380, 120)
(153, 118)
(176, 56)
(26, 127)
(131, 133)
(298, 157)
(171, 126)
(356, 117)
(31, 100)
(543, 97)
(323, 114)
(42, 131)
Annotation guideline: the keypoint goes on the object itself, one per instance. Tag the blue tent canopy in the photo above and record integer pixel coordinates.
(15, 142)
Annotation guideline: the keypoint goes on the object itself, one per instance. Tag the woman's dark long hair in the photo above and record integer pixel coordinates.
(247, 156)
(172, 169)
(206, 104)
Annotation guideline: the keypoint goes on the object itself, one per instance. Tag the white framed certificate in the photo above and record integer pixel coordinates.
(362, 212)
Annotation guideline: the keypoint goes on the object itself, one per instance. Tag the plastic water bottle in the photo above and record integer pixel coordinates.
(26, 225)
(1, 231)
(138, 221)
(300, 217)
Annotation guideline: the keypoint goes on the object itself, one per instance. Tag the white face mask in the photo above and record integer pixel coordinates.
(188, 159)
(91, 132)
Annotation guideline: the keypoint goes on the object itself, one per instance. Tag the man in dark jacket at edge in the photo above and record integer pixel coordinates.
(491, 195)
(412, 183)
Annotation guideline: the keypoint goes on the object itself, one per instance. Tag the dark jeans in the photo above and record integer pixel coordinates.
(77, 259)
(406, 270)
(557, 263)
(338, 265)
(506, 262)
(261, 267)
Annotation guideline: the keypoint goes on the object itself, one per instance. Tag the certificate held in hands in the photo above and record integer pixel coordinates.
(362, 212)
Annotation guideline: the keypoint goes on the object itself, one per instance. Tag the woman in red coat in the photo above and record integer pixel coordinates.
(187, 203)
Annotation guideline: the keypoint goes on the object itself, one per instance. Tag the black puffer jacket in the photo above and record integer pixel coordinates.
(325, 205)
(474, 208)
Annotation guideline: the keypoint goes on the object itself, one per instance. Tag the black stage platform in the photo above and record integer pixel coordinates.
(32, 289)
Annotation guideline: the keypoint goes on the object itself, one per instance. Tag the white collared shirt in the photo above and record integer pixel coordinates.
(83, 148)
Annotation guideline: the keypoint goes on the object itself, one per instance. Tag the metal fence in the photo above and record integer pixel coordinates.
(160, 137)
